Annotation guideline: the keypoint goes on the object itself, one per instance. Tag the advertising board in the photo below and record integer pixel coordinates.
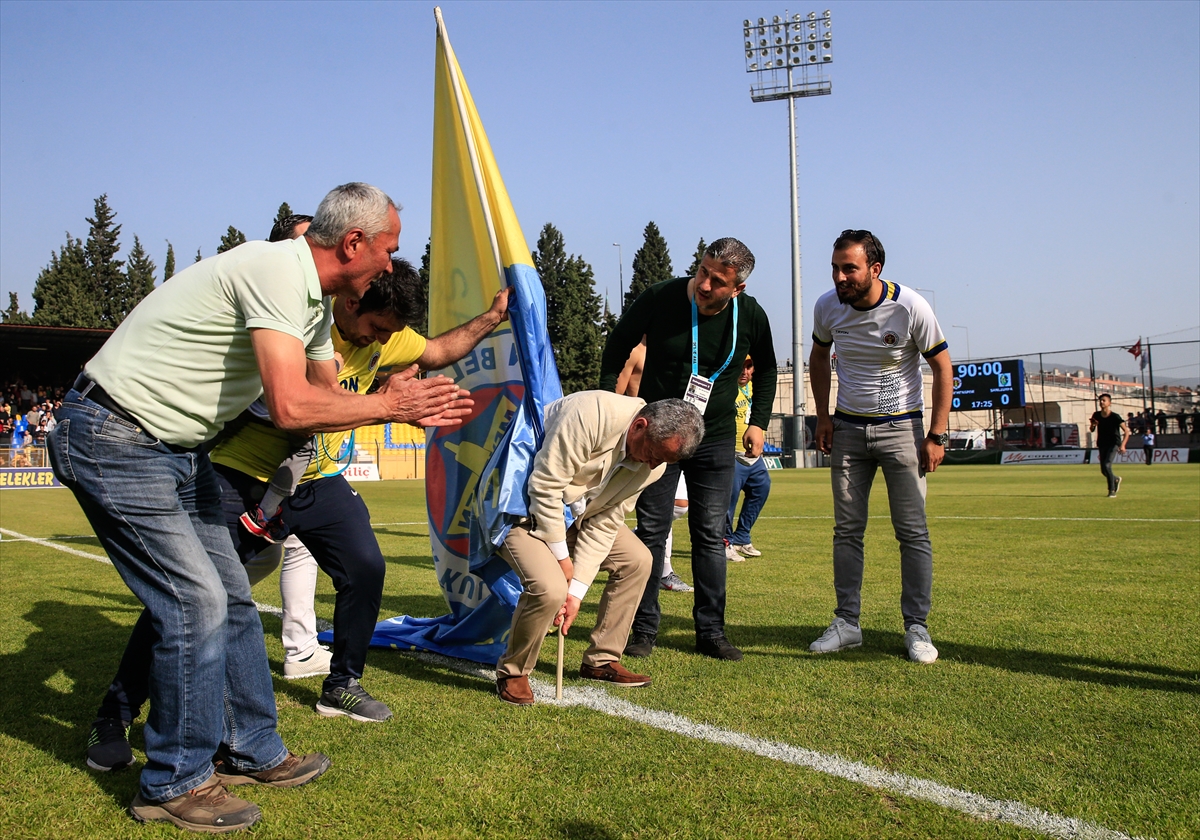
(1161, 456)
(362, 472)
(25, 478)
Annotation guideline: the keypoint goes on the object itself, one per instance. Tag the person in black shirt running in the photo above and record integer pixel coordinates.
(1112, 435)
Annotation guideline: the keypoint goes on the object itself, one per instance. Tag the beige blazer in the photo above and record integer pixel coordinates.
(582, 464)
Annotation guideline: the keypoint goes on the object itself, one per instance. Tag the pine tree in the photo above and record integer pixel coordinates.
(136, 282)
(107, 278)
(284, 211)
(651, 264)
(65, 294)
(14, 315)
(697, 258)
(169, 264)
(608, 323)
(139, 272)
(232, 238)
(572, 311)
(423, 272)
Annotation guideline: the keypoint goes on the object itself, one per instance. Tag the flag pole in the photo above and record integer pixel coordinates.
(473, 152)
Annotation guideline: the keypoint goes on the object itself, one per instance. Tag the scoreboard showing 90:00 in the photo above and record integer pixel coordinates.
(982, 386)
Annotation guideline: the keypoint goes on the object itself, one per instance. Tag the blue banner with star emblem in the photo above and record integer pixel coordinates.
(476, 473)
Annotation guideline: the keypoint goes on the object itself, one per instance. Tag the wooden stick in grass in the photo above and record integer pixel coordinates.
(558, 675)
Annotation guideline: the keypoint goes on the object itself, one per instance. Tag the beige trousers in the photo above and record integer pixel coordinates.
(628, 567)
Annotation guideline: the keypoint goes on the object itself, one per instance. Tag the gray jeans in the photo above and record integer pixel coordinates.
(857, 451)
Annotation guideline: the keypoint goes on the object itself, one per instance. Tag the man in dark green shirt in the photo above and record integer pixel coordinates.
(698, 332)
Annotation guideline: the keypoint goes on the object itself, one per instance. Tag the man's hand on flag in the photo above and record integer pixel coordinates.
(435, 401)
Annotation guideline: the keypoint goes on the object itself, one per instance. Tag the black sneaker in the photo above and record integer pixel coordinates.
(353, 701)
(718, 647)
(108, 745)
(640, 646)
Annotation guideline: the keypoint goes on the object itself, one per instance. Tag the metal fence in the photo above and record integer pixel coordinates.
(1158, 387)
(23, 456)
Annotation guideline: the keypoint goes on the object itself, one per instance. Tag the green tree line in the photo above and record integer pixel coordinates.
(86, 285)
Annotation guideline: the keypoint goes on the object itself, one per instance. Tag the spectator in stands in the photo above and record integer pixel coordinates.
(1161, 417)
(1196, 421)
(1182, 419)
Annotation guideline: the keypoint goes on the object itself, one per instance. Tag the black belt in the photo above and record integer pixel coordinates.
(91, 389)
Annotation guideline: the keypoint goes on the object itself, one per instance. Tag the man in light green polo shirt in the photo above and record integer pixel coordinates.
(192, 355)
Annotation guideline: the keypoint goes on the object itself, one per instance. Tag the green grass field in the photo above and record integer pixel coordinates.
(1069, 681)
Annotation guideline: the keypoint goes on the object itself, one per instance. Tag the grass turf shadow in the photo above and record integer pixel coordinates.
(884, 643)
(65, 679)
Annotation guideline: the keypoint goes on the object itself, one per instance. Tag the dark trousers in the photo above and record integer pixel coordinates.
(1149, 450)
(709, 474)
(1107, 453)
(333, 522)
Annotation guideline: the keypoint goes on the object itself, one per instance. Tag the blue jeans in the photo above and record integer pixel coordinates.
(156, 509)
(756, 481)
(858, 452)
(709, 474)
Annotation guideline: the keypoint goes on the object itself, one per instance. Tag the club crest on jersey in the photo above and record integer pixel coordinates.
(890, 339)
(374, 361)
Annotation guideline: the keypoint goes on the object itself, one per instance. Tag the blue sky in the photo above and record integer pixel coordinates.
(1036, 165)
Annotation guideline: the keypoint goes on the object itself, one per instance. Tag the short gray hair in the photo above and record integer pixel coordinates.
(733, 253)
(350, 206)
(674, 418)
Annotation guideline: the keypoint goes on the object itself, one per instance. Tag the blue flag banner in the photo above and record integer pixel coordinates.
(476, 472)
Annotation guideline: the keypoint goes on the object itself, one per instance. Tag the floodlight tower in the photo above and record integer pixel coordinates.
(777, 50)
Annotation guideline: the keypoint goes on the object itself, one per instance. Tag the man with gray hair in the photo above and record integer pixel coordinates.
(600, 451)
(695, 329)
(193, 355)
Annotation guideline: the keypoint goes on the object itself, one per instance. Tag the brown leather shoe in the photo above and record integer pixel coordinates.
(293, 771)
(615, 673)
(208, 809)
(515, 690)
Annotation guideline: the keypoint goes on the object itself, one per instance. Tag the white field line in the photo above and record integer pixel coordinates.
(972, 804)
(15, 537)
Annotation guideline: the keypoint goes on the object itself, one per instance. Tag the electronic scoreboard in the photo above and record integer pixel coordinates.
(989, 385)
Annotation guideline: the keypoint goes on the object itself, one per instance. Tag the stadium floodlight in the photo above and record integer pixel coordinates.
(788, 57)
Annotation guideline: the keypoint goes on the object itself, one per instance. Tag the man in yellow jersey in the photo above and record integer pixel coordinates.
(325, 514)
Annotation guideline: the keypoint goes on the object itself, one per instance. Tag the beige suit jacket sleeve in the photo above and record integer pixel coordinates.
(583, 434)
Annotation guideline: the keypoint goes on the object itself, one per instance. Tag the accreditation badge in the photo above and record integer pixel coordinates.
(698, 391)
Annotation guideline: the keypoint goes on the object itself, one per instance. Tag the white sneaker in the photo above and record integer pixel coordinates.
(316, 665)
(841, 635)
(747, 550)
(731, 554)
(920, 646)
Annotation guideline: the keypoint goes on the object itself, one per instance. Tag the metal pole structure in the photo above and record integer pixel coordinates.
(1143, 371)
(621, 269)
(798, 411)
(1150, 365)
(968, 332)
(1042, 371)
(803, 43)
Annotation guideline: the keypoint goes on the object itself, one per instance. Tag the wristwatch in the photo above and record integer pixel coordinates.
(940, 440)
